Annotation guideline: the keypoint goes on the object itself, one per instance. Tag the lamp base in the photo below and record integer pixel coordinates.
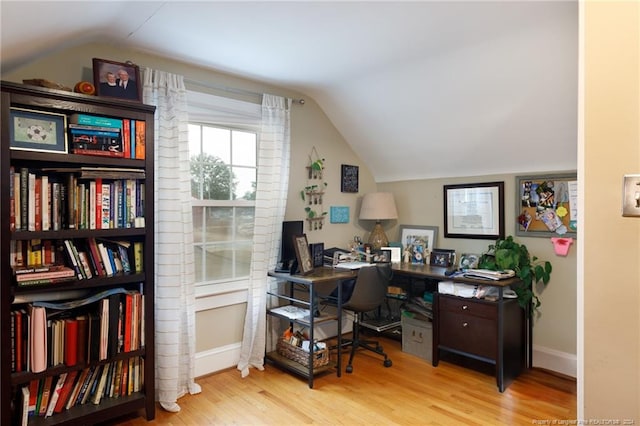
(378, 238)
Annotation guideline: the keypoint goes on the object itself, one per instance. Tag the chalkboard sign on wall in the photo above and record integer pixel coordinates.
(349, 178)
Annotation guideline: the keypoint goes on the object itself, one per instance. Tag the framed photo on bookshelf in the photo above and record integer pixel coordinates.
(32, 130)
(117, 79)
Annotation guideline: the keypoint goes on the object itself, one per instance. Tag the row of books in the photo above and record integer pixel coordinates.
(55, 394)
(38, 262)
(54, 199)
(79, 336)
(105, 136)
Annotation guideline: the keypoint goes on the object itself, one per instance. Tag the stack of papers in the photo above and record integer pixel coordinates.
(457, 289)
(291, 312)
(353, 265)
(488, 274)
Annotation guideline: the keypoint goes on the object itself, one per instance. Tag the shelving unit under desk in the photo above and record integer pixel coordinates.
(319, 282)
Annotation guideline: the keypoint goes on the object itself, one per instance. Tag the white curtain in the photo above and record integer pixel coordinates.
(271, 200)
(174, 259)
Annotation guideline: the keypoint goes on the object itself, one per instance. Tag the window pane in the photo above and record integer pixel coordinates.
(244, 183)
(211, 179)
(194, 140)
(223, 170)
(219, 262)
(245, 217)
(217, 143)
(244, 149)
(198, 227)
(219, 225)
(198, 253)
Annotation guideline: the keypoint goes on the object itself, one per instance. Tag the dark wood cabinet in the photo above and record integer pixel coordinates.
(490, 331)
(138, 235)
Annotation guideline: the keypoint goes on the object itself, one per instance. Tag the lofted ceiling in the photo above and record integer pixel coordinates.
(421, 89)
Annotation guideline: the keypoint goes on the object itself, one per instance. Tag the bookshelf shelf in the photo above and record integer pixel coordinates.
(125, 231)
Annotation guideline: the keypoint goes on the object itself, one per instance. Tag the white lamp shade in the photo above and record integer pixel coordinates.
(378, 206)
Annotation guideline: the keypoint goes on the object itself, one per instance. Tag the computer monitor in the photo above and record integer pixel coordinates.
(290, 228)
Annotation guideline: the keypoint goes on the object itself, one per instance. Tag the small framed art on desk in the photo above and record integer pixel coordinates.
(303, 255)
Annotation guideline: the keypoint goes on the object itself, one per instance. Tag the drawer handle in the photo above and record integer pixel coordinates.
(465, 307)
(465, 324)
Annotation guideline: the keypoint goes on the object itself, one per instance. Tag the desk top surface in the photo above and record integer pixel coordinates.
(318, 275)
(327, 274)
(438, 273)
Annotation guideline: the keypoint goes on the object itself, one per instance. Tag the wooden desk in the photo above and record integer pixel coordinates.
(497, 332)
(320, 281)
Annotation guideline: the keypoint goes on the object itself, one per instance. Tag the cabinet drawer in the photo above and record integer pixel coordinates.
(472, 307)
(471, 334)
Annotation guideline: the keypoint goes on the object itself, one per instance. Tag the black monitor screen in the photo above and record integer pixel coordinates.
(287, 250)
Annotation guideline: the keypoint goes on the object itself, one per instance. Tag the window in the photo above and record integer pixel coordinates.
(223, 188)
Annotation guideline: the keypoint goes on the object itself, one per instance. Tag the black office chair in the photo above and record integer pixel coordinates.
(369, 292)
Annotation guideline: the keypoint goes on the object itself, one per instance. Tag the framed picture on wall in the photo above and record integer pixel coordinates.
(474, 210)
(547, 205)
(349, 178)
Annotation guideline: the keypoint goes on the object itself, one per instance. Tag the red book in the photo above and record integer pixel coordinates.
(81, 151)
(95, 254)
(38, 204)
(65, 391)
(128, 302)
(98, 202)
(18, 337)
(140, 139)
(71, 342)
(126, 138)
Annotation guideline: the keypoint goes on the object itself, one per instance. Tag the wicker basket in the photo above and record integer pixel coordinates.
(287, 350)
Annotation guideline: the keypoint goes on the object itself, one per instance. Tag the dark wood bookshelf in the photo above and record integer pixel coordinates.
(13, 296)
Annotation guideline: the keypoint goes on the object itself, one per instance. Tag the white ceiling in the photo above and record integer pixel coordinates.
(418, 89)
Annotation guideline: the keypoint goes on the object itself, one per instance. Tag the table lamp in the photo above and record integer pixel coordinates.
(378, 206)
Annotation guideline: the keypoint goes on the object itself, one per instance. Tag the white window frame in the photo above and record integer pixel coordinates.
(214, 110)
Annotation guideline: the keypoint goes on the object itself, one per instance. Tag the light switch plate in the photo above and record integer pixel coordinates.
(631, 195)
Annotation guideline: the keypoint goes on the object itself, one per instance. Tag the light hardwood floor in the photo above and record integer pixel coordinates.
(411, 392)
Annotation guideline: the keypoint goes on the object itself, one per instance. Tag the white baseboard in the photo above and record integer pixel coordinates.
(551, 359)
(217, 359)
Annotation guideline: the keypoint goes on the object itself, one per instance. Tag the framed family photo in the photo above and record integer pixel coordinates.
(117, 79)
(417, 242)
(37, 131)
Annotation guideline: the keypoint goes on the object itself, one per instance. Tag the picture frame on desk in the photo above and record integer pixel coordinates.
(474, 211)
(444, 258)
(303, 255)
(421, 235)
(31, 130)
(109, 77)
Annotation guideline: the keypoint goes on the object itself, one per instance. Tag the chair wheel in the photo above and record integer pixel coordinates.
(349, 369)
(387, 363)
(380, 348)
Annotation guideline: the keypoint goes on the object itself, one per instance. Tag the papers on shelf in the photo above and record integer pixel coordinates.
(488, 274)
(457, 289)
(291, 312)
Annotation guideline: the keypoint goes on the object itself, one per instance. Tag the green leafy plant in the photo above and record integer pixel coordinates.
(508, 254)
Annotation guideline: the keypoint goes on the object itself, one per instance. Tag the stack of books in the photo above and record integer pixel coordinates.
(95, 135)
(43, 274)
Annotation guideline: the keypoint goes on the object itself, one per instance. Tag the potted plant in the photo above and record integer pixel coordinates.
(508, 254)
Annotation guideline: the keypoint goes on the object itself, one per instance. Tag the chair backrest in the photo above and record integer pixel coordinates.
(371, 288)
